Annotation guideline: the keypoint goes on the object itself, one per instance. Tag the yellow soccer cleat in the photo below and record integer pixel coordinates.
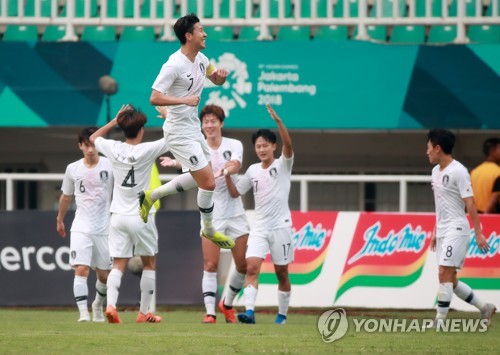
(145, 204)
(219, 239)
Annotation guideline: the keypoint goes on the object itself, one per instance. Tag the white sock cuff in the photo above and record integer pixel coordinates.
(150, 274)
(81, 278)
(115, 273)
(209, 275)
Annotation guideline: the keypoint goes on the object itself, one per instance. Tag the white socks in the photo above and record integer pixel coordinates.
(250, 293)
(148, 280)
(178, 184)
(101, 291)
(206, 206)
(236, 281)
(283, 301)
(209, 287)
(464, 292)
(114, 282)
(81, 293)
(445, 293)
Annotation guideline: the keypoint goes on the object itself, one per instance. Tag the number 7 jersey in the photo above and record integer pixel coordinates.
(132, 165)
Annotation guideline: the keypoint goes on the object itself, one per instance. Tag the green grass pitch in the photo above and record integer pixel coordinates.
(56, 331)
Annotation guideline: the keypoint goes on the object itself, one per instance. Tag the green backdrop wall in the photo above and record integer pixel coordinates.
(313, 84)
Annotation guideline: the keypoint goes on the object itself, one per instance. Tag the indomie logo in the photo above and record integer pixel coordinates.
(406, 240)
(310, 237)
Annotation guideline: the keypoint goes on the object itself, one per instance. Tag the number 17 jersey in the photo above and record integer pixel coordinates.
(271, 189)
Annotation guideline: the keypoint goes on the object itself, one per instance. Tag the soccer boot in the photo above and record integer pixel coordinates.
(84, 317)
(280, 319)
(97, 313)
(248, 317)
(147, 318)
(487, 311)
(209, 319)
(219, 239)
(112, 315)
(145, 204)
(229, 313)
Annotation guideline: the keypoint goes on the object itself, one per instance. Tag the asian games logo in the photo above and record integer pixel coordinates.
(231, 93)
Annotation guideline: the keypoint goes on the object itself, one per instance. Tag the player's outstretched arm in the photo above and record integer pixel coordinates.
(285, 136)
(481, 241)
(64, 203)
(159, 99)
(104, 130)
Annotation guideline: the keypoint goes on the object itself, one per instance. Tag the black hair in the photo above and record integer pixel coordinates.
(85, 133)
(442, 137)
(489, 144)
(184, 25)
(268, 135)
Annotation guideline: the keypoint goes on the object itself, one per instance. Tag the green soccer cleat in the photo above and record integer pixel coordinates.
(220, 240)
(145, 204)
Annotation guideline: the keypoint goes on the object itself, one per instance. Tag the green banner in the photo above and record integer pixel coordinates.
(312, 84)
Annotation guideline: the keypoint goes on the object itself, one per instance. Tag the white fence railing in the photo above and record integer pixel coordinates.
(303, 180)
(256, 13)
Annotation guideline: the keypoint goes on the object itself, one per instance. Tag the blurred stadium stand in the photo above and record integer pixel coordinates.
(391, 21)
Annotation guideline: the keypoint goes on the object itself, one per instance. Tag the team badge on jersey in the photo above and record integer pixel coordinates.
(104, 175)
(227, 155)
(446, 180)
(73, 254)
(193, 160)
(273, 172)
(202, 69)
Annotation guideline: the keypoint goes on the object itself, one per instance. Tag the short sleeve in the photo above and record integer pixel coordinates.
(463, 183)
(68, 185)
(165, 78)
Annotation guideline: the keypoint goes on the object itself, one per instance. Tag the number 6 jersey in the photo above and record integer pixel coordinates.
(92, 189)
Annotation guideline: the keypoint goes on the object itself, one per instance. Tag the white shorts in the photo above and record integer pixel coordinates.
(89, 250)
(451, 251)
(129, 236)
(233, 228)
(191, 151)
(277, 241)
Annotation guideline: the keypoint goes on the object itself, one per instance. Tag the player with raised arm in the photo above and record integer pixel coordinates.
(451, 237)
(179, 85)
(132, 163)
(271, 231)
(90, 181)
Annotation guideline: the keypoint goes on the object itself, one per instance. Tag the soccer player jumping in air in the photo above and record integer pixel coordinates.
(179, 85)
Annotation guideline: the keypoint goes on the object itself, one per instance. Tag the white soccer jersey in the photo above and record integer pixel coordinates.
(271, 188)
(450, 187)
(132, 166)
(225, 205)
(92, 189)
(179, 77)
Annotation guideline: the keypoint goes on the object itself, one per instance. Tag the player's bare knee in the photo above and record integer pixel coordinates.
(210, 266)
(82, 270)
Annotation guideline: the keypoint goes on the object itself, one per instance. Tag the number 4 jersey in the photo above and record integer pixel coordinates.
(132, 165)
(92, 189)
